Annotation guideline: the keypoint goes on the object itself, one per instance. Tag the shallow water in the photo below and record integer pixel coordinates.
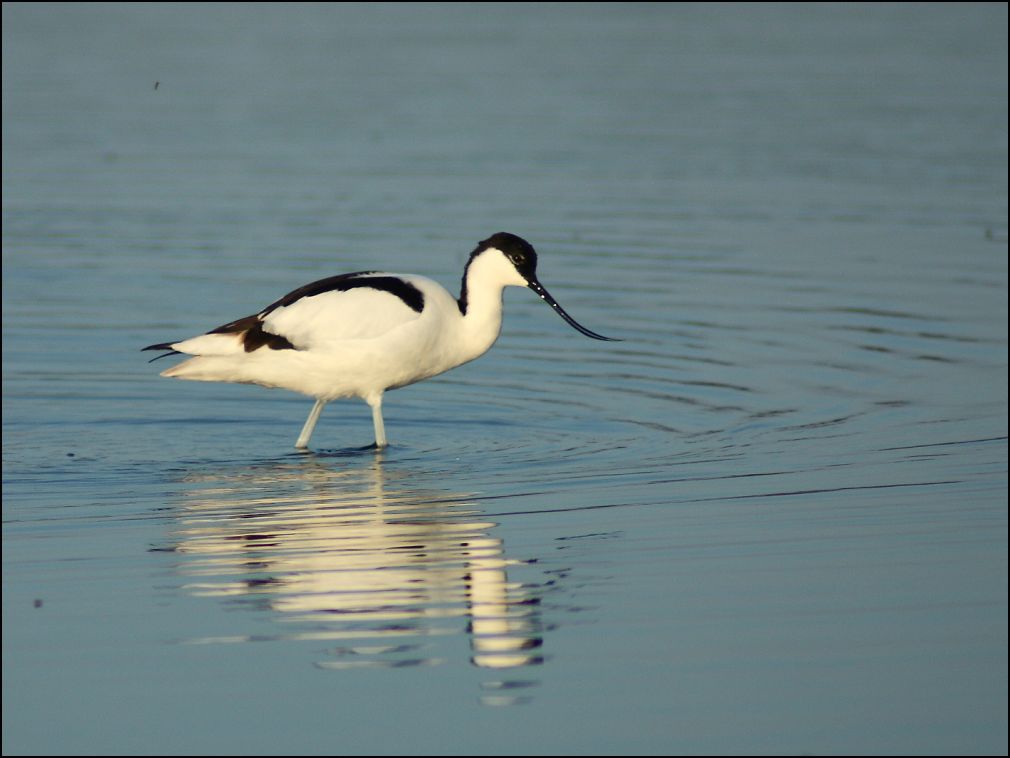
(773, 519)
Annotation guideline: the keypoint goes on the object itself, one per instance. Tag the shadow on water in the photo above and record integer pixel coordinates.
(344, 551)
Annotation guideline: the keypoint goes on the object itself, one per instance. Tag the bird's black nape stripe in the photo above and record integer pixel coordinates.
(516, 249)
(412, 297)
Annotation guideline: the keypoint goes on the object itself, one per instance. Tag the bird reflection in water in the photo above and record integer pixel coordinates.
(353, 555)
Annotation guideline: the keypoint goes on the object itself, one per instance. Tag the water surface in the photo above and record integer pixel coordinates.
(773, 519)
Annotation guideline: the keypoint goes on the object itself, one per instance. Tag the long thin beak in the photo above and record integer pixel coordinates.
(537, 287)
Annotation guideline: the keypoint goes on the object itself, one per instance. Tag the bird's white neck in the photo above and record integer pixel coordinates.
(480, 300)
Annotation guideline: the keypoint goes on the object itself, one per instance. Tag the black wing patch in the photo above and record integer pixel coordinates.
(412, 297)
(254, 336)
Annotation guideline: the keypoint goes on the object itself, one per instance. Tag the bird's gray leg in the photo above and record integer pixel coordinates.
(310, 424)
(375, 401)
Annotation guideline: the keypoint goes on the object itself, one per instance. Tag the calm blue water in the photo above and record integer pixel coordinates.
(772, 520)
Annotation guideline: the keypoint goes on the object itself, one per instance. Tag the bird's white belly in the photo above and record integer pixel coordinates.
(364, 368)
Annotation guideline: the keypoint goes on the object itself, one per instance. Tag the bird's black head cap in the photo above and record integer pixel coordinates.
(516, 249)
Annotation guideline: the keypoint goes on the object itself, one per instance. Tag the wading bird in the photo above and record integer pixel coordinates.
(360, 334)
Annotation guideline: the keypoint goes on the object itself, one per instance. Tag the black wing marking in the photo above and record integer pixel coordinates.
(412, 297)
(161, 346)
(254, 336)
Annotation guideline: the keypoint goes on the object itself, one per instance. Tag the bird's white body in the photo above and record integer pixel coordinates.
(351, 344)
(362, 334)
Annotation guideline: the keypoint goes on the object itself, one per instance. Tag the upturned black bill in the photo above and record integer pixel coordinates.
(546, 297)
